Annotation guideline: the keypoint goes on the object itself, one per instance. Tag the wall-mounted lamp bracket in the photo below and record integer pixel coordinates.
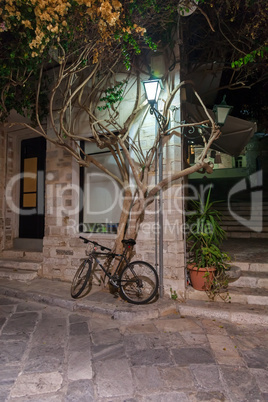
(161, 120)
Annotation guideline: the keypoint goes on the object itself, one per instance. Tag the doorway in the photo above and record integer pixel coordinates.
(32, 188)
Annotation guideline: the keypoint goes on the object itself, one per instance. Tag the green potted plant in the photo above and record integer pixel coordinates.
(207, 263)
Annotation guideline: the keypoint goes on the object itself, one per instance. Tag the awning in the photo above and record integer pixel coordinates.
(236, 133)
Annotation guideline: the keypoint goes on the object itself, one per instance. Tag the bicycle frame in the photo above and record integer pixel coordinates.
(94, 255)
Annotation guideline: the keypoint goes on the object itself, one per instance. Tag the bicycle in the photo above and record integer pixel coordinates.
(137, 282)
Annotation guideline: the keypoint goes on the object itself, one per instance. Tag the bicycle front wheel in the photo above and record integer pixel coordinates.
(81, 278)
(138, 282)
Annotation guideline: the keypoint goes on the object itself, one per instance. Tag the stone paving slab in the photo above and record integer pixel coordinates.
(35, 384)
(57, 293)
(89, 357)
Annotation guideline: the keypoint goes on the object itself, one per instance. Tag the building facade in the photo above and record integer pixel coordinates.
(46, 202)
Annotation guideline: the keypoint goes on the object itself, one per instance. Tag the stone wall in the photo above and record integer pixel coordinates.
(62, 248)
(63, 255)
(61, 200)
(8, 162)
(173, 228)
(2, 184)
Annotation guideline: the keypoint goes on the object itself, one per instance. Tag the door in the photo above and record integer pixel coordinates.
(32, 188)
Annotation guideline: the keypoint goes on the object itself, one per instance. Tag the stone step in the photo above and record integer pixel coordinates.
(246, 235)
(263, 204)
(254, 227)
(22, 254)
(245, 295)
(254, 267)
(28, 244)
(233, 312)
(241, 228)
(23, 275)
(236, 234)
(20, 264)
(252, 280)
(242, 295)
(230, 220)
(233, 222)
(256, 210)
(258, 217)
(248, 212)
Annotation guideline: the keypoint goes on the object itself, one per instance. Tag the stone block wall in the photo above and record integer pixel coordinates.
(61, 204)
(173, 238)
(62, 255)
(8, 161)
(63, 250)
(2, 184)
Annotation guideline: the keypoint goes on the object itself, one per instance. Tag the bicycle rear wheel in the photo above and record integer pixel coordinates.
(81, 278)
(138, 282)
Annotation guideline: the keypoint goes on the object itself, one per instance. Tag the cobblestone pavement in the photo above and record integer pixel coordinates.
(49, 354)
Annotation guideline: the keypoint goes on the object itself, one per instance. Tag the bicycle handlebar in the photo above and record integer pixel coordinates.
(95, 243)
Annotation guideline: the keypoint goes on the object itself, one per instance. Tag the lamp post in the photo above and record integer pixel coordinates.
(221, 111)
(152, 89)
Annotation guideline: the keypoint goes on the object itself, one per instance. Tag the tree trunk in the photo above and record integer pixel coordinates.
(118, 246)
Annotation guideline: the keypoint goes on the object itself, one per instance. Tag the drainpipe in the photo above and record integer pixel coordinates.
(156, 209)
(183, 216)
(159, 219)
(161, 237)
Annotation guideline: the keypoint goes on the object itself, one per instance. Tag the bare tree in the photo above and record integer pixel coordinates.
(83, 86)
(82, 92)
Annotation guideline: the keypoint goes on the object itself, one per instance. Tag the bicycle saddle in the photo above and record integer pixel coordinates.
(129, 242)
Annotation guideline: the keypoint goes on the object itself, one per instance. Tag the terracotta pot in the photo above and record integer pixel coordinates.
(199, 280)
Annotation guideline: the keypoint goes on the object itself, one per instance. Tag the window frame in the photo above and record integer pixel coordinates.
(81, 196)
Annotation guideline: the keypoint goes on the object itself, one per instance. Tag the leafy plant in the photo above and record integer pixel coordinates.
(38, 37)
(112, 95)
(204, 240)
(206, 234)
(204, 222)
(173, 294)
(204, 254)
(250, 57)
(218, 286)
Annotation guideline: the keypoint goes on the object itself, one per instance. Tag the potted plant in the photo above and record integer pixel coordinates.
(207, 263)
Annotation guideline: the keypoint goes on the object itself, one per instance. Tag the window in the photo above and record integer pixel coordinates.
(101, 194)
(239, 162)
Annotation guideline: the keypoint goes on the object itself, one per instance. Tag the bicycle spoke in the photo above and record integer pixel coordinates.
(139, 282)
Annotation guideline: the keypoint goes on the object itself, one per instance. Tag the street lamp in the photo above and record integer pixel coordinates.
(221, 111)
(152, 90)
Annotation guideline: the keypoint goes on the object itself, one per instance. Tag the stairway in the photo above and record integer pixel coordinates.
(256, 220)
(251, 288)
(20, 265)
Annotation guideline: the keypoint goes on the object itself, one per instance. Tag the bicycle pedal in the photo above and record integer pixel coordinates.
(115, 284)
